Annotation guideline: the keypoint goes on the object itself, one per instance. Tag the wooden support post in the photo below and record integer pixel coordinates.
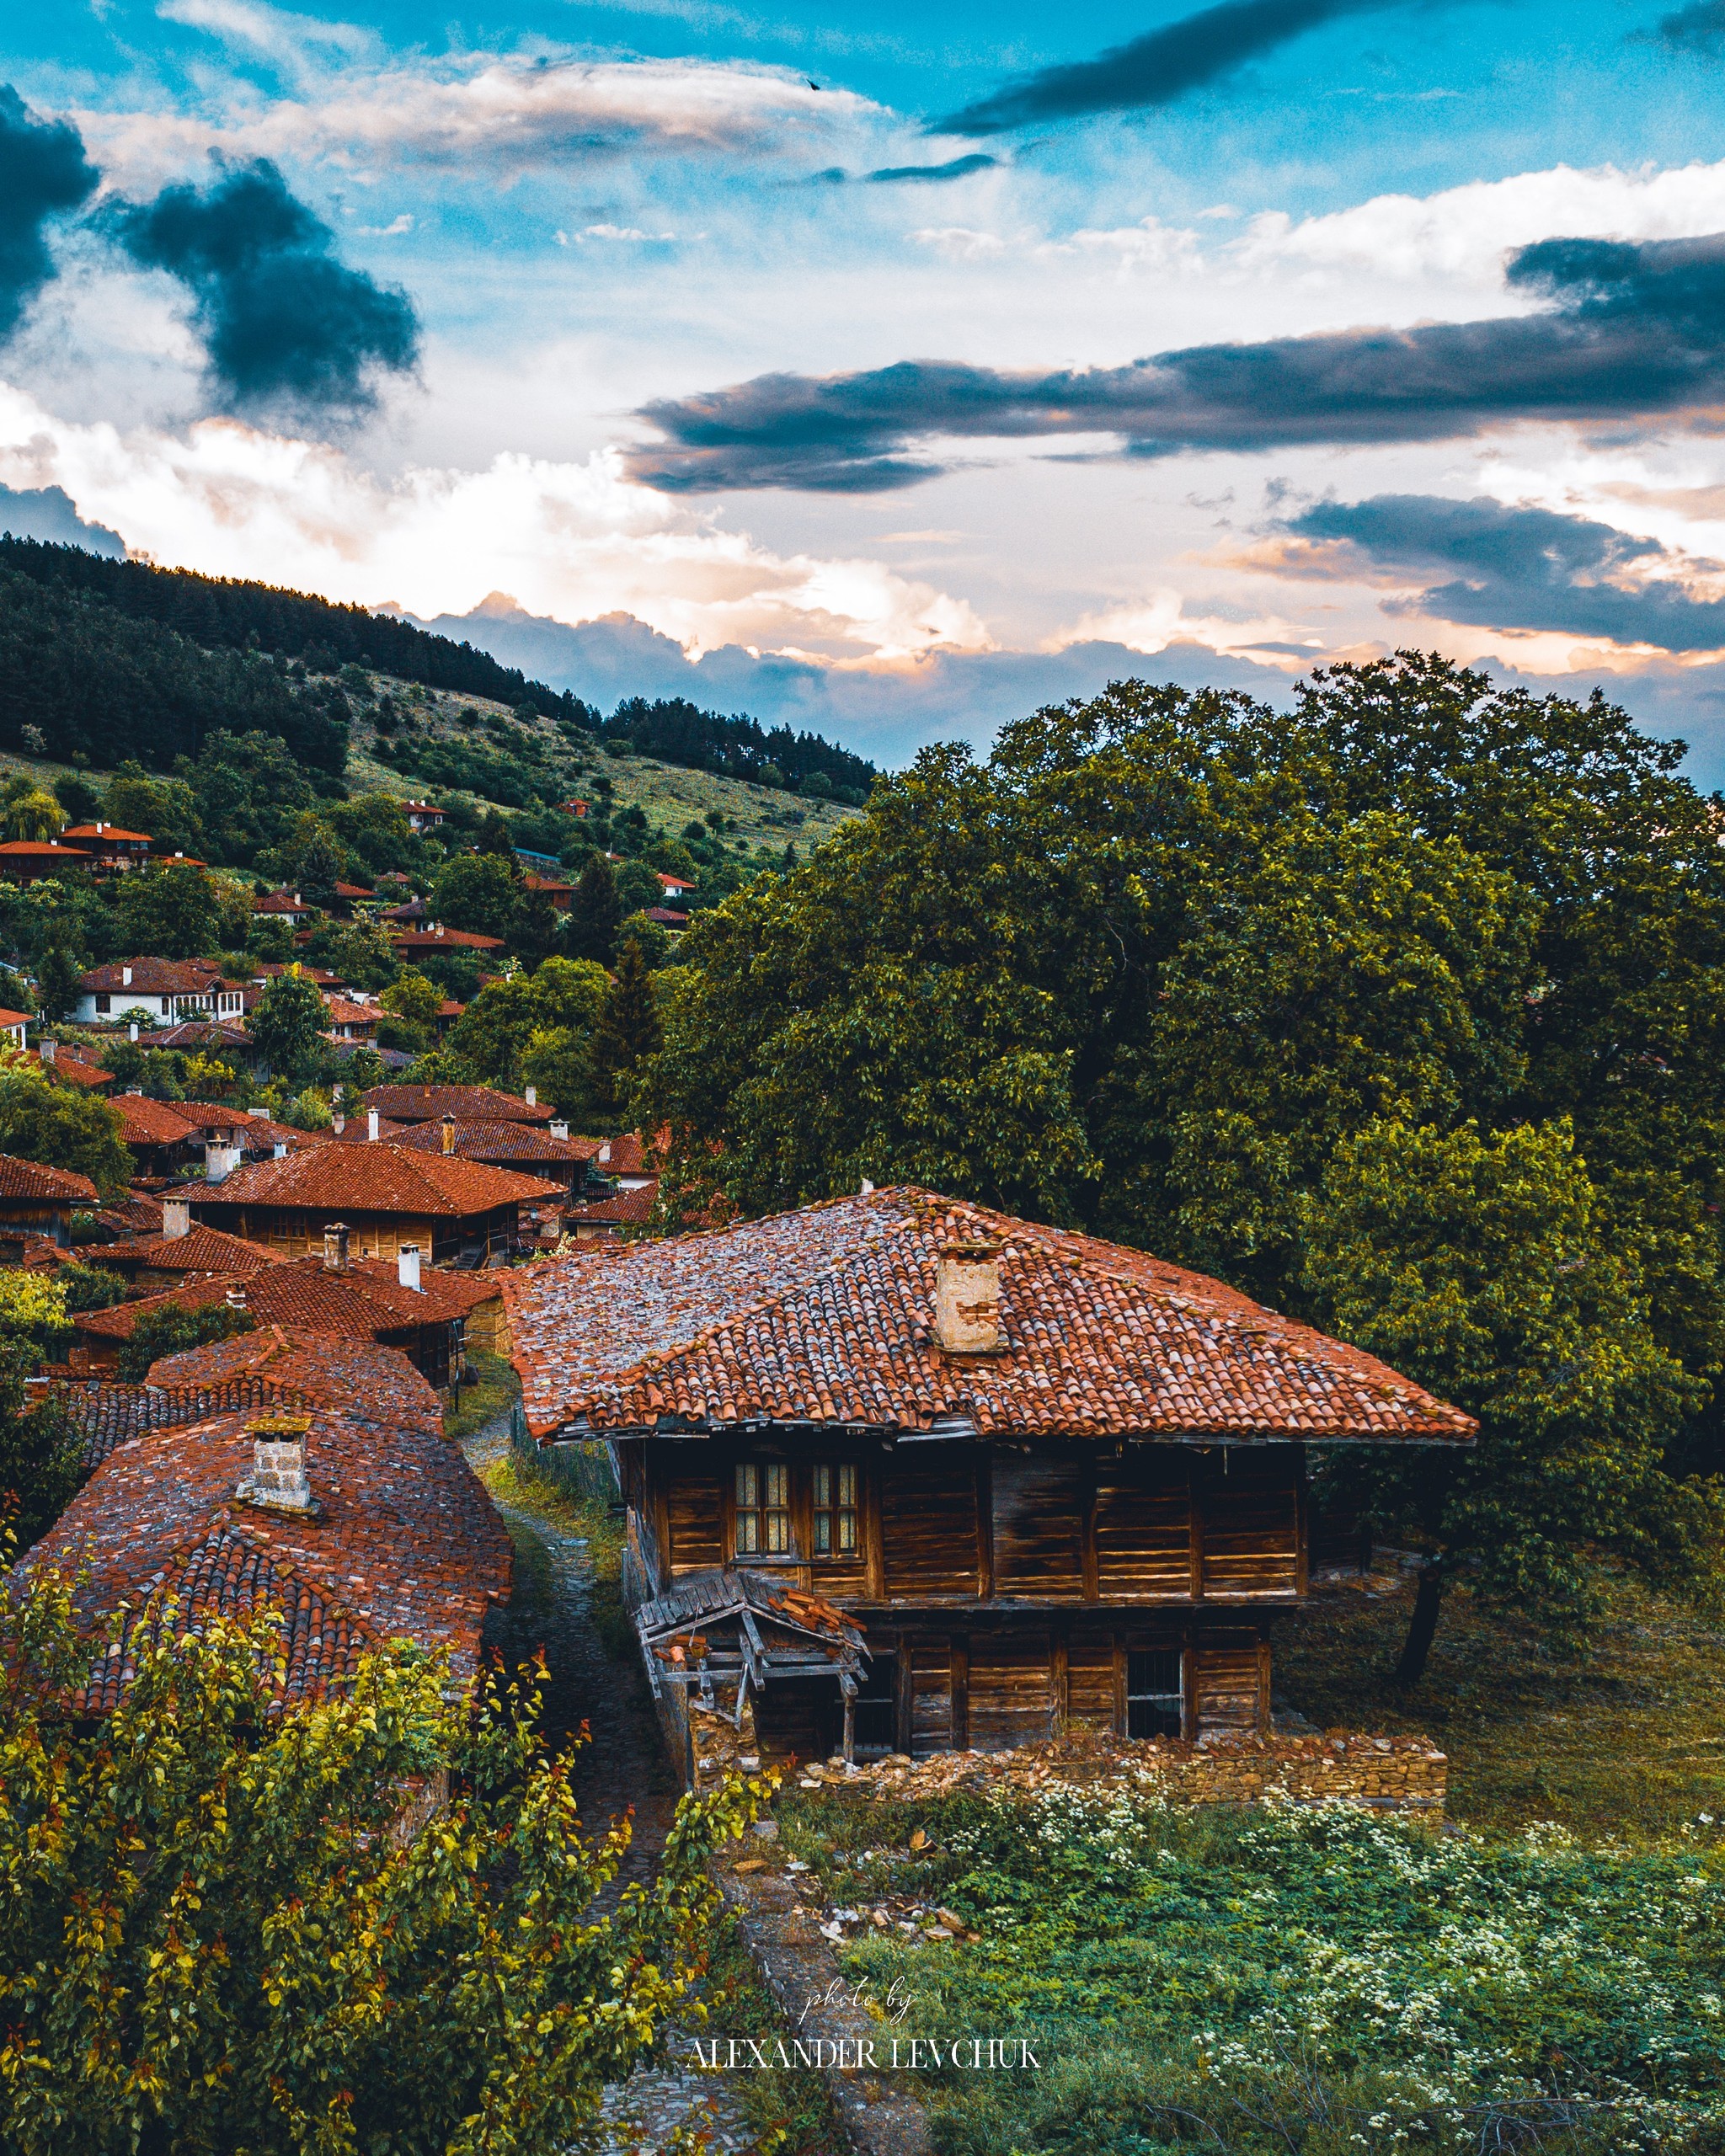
(960, 1654)
(984, 1526)
(873, 1544)
(1188, 1683)
(1263, 1684)
(1092, 1569)
(904, 1691)
(1302, 1531)
(1060, 1681)
(850, 1729)
(1197, 1481)
(1119, 1646)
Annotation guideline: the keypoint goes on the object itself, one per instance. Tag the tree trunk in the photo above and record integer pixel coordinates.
(1428, 1600)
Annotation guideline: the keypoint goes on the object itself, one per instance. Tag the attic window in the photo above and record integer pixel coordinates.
(763, 1509)
(834, 1510)
(1153, 1694)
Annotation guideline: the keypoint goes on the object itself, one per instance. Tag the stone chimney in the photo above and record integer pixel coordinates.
(131, 1031)
(338, 1123)
(278, 1475)
(967, 1298)
(221, 1160)
(532, 1096)
(176, 1219)
(335, 1247)
(605, 1153)
(47, 1050)
(370, 1126)
(406, 1267)
(560, 1130)
(125, 976)
(237, 1298)
(449, 1133)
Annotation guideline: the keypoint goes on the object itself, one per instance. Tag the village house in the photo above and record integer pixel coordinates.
(412, 1104)
(675, 887)
(453, 1212)
(290, 906)
(349, 1517)
(175, 1252)
(27, 861)
(36, 1201)
(624, 1161)
(351, 1021)
(613, 1220)
(153, 990)
(422, 816)
(1054, 1482)
(433, 940)
(67, 1069)
(109, 846)
(15, 1025)
(529, 1149)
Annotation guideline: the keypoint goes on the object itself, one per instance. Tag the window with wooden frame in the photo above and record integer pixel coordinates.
(763, 1528)
(1154, 1698)
(836, 1514)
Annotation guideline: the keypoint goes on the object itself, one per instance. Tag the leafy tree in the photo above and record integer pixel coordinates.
(69, 911)
(61, 1127)
(171, 1329)
(34, 815)
(628, 1033)
(248, 789)
(411, 996)
(286, 1025)
(478, 891)
(337, 1981)
(170, 912)
(495, 835)
(165, 808)
(89, 1287)
(492, 1032)
(59, 973)
(1487, 1269)
(557, 1061)
(375, 827)
(311, 860)
(356, 951)
(77, 797)
(269, 939)
(590, 925)
(41, 1455)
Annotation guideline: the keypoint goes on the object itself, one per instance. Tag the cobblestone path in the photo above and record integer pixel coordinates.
(622, 1764)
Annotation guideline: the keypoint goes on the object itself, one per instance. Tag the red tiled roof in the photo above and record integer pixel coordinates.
(497, 1141)
(628, 1209)
(290, 1293)
(440, 938)
(676, 883)
(41, 850)
(144, 1122)
(357, 1131)
(826, 1315)
(204, 1034)
(666, 918)
(443, 1293)
(354, 891)
(104, 832)
(356, 1377)
(342, 1012)
(28, 1179)
(287, 902)
(14, 1017)
(73, 1070)
(200, 1250)
(132, 1214)
(155, 977)
(404, 1543)
(373, 1179)
(533, 881)
(626, 1155)
(466, 1103)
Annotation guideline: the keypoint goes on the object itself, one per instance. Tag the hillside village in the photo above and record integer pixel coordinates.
(483, 1260)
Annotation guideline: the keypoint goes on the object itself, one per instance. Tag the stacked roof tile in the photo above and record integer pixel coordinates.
(373, 1179)
(629, 1208)
(358, 1379)
(25, 1180)
(466, 1103)
(825, 1315)
(497, 1142)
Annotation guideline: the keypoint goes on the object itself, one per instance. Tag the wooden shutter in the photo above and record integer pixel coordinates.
(1009, 1695)
(1250, 1523)
(1038, 1528)
(928, 1526)
(697, 1518)
(1143, 1527)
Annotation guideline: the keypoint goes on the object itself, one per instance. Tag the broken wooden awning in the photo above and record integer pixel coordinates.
(726, 1626)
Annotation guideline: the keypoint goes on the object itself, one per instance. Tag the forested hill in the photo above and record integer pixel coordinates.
(113, 658)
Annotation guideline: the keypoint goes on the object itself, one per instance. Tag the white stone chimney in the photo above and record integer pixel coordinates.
(335, 1247)
(967, 1298)
(237, 1298)
(560, 1131)
(277, 1151)
(532, 1096)
(449, 1133)
(605, 1153)
(407, 1267)
(131, 1031)
(220, 1160)
(278, 1475)
(338, 1123)
(47, 1050)
(125, 976)
(370, 1126)
(176, 1219)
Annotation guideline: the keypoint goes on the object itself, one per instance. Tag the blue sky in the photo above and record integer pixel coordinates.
(892, 369)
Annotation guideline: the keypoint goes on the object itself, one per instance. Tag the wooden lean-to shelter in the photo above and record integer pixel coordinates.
(1045, 1480)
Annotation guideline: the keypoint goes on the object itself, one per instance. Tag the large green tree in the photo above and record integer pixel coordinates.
(61, 1127)
(287, 1024)
(169, 912)
(627, 1035)
(478, 892)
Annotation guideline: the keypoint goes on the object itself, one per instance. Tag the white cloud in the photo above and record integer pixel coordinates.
(1464, 232)
(497, 115)
(571, 541)
(294, 42)
(1152, 623)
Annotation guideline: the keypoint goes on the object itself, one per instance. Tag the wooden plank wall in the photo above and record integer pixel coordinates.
(1143, 1527)
(1011, 1700)
(928, 1525)
(1039, 1511)
(694, 1515)
(1250, 1523)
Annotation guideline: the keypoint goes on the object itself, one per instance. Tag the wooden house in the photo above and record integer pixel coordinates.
(36, 1201)
(1055, 1480)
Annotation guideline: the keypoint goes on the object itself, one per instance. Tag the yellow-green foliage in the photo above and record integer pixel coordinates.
(223, 1927)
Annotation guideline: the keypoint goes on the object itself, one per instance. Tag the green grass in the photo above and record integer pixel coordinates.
(1623, 1736)
(498, 1385)
(512, 1481)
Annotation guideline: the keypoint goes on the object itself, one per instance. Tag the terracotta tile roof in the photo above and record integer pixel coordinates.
(28, 1179)
(358, 1377)
(466, 1103)
(14, 1017)
(105, 1415)
(666, 918)
(72, 1069)
(344, 1012)
(144, 1122)
(676, 883)
(443, 1293)
(628, 1209)
(155, 977)
(354, 890)
(204, 1033)
(43, 850)
(623, 1156)
(825, 1315)
(437, 937)
(294, 1292)
(357, 1131)
(404, 1543)
(105, 833)
(133, 1214)
(202, 1250)
(373, 1179)
(498, 1141)
(282, 902)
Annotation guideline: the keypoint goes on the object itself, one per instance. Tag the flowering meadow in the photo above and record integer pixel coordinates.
(1318, 1981)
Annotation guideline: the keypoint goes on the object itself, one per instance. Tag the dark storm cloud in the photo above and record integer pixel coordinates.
(43, 174)
(954, 168)
(1152, 70)
(1502, 568)
(1629, 332)
(284, 322)
(1698, 28)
